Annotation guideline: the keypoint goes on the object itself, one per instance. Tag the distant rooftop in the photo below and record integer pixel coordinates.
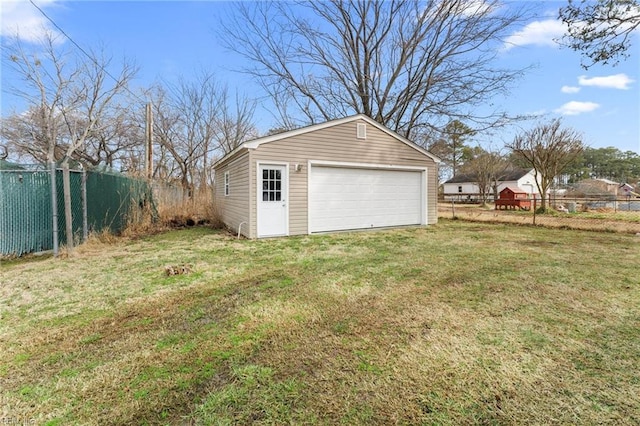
(512, 175)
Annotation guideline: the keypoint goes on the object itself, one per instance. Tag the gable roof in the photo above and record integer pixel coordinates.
(255, 143)
(514, 189)
(607, 181)
(512, 175)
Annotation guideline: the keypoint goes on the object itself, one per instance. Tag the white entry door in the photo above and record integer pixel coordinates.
(272, 200)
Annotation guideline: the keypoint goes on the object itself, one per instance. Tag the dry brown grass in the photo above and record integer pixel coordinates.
(174, 212)
(199, 208)
(461, 323)
(591, 220)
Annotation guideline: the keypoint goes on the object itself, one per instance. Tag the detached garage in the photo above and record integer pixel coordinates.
(345, 174)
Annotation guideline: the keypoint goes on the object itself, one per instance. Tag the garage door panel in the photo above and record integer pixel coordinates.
(355, 198)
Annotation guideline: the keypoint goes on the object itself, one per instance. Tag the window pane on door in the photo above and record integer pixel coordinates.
(271, 185)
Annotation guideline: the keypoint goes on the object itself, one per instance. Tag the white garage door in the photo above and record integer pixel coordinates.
(356, 198)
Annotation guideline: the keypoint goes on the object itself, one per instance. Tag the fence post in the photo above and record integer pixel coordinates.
(535, 207)
(54, 207)
(85, 226)
(66, 191)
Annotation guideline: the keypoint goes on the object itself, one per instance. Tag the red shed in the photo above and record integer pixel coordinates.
(512, 197)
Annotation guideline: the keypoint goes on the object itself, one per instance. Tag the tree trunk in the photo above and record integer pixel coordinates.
(66, 186)
(543, 201)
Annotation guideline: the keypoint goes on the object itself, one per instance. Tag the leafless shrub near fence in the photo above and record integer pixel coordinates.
(177, 209)
(168, 198)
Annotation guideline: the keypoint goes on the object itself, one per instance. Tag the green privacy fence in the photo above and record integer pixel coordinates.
(25, 211)
(26, 219)
(115, 200)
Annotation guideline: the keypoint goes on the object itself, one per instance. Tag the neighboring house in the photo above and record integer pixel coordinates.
(463, 187)
(350, 173)
(598, 188)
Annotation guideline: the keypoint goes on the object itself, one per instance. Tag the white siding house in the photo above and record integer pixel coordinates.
(463, 187)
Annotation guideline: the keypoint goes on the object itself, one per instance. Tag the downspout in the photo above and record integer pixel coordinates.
(240, 228)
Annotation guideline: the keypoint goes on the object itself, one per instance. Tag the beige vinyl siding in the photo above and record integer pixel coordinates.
(337, 144)
(234, 207)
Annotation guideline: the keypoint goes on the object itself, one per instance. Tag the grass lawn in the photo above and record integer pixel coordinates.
(459, 323)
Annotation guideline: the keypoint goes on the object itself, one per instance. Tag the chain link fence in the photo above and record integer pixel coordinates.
(75, 177)
(613, 215)
(26, 213)
(114, 201)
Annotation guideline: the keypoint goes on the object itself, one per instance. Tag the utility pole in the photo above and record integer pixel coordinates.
(148, 142)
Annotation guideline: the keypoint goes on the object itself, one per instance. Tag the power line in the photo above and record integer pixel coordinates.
(91, 58)
(148, 124)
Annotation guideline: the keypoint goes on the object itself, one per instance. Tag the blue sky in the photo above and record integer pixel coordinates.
(169, 39)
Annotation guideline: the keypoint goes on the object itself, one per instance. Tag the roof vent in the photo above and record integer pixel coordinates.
(361, 132)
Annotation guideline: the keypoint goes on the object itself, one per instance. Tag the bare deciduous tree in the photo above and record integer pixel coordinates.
(67, 95)
(32, 135)
(549, 149)
(235, 123)
(407, 64)
(198, 104)
(116, 140)
(194, 123)
(602, 30)
(165, 134)
(488, 168)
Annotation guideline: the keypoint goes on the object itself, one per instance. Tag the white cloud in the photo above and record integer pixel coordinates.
(537, 113)
(22, 19)
(576, 108)
(477, 7)
(569, 89)
(537, 33)
(617, 81)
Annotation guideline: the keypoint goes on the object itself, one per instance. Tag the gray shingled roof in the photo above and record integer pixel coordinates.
(471, 177)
